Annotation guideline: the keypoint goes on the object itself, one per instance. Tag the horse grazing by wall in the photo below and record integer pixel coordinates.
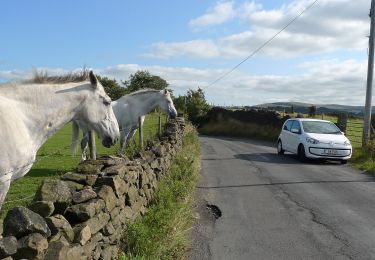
(127, 110)
(32, 111)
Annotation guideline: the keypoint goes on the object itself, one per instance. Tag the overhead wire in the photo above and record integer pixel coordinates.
(261, 46)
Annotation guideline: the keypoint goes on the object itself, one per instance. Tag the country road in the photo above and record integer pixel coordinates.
(274, 207)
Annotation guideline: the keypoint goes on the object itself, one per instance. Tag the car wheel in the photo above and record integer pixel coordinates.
(280, 149)
(301, 153)
(344, 162)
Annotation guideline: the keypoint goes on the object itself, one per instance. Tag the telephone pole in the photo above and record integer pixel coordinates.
(370, 70)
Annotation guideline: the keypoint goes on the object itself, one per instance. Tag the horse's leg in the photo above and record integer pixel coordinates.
(124, 139)
(4, 187)
(11, 175)
(84, 145)
(131, 134)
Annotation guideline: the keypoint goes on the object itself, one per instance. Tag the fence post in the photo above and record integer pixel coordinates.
(159, 125)
(140, 132)
(92, 145)
(342, 121)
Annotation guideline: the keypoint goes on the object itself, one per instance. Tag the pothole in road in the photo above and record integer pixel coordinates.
(214, 210)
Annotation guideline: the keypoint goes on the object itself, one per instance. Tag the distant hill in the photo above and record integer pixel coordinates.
(300, 107)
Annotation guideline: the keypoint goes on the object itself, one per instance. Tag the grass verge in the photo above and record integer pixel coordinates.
(239, 129)
(364, 158)
(162, 232)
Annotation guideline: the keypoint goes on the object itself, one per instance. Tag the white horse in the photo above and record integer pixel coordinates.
(127, 110)
(31, 112)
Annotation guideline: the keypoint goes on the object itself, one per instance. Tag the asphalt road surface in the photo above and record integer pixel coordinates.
(255, 204)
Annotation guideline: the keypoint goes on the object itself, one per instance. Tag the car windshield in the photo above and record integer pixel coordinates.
(319, 127)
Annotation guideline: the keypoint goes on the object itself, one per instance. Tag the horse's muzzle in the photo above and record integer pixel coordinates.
(172, 115)
(108, 141)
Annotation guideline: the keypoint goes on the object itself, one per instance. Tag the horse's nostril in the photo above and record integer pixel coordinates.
(107, 141)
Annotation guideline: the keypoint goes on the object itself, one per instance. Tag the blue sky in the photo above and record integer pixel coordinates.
(321, 58)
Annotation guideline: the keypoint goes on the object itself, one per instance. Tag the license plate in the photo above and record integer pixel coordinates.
(331, 152)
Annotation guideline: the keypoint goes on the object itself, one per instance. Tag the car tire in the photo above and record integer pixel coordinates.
(301, 153)
(343, 161)
(280, 149)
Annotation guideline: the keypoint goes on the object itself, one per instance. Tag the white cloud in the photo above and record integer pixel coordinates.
(323, 81)
(328, 26)
(195, 48)
(7, 75)
(219, 14)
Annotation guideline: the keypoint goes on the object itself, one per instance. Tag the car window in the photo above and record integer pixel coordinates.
(288, 125)
(320, 127)
(296, 126)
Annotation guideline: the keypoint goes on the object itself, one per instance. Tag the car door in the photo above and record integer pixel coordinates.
(286, 135)
(295, 136)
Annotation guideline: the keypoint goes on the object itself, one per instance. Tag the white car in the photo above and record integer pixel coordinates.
(313, 138)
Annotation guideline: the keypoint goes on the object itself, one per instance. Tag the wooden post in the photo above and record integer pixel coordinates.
(92, 145)
(342, 122)
(140, 132)
(370, 70)
(159, 125)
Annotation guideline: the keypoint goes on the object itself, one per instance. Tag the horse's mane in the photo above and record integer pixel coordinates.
(42, 77)
(144, 91)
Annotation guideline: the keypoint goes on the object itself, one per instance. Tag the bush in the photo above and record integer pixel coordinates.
(253, 123)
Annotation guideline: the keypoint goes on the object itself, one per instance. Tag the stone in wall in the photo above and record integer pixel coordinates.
(32, 246)
(84, 211)
(60, 226)
(8, 246)
(55, 191)
(21, 221)
(43, 208)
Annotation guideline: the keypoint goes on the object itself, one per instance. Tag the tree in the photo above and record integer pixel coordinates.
(194, 104)
(312, 111)
(143, 79)
(112, 88)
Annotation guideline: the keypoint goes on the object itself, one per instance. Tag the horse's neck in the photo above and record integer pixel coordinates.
(46, 109)
(146, 103)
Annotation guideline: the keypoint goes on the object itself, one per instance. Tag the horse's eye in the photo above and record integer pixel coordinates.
(106, 103)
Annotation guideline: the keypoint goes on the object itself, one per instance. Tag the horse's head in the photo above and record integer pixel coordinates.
(98, 113)
(166, 104)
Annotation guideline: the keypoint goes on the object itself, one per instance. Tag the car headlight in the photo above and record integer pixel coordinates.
(312, 140)
(347, 143)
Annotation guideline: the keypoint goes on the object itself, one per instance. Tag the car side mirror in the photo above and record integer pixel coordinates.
(295, 131)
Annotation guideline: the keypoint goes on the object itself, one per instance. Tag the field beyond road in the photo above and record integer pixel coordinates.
(274, 207)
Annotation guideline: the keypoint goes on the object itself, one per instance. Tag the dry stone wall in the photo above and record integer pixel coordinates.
(83, 214)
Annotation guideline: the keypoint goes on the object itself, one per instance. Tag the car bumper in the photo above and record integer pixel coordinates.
(335, 153)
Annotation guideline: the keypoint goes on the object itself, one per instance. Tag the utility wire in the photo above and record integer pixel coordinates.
(262, 46)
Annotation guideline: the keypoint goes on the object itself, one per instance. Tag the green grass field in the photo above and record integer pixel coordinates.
(55, 158)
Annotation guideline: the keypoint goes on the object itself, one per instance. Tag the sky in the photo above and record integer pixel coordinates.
(321, 58)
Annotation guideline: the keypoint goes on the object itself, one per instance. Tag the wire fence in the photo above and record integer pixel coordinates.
(354, 130)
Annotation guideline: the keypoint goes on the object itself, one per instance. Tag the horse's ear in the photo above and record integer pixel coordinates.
(93, 79)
